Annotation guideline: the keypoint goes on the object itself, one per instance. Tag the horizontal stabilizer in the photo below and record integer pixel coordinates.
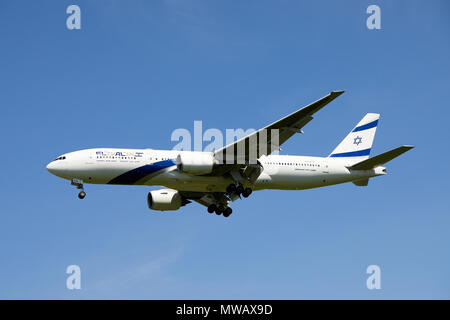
(380, 159)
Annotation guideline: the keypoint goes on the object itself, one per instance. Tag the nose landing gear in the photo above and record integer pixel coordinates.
(79, 184)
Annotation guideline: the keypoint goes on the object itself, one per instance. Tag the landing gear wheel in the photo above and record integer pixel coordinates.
(247, 192)
(231, 188)
(79, 184)
(220, 209)
(212, 208)
(239, 189)
(227, 212)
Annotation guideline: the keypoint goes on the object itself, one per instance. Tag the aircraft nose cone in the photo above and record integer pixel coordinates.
(58, 168)
(51, 167)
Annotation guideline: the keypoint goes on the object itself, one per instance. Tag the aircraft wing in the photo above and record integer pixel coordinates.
(270, 138)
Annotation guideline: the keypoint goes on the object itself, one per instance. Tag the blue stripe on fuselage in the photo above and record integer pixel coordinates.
(364, 152)
(366, 126)
(132, 176)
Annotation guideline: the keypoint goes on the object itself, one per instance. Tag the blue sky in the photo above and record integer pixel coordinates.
(137, 70)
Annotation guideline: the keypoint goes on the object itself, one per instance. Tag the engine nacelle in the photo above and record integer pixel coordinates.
(164, 200)
(195, 162)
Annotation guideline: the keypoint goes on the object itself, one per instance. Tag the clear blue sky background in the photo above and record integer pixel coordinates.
(137, 70)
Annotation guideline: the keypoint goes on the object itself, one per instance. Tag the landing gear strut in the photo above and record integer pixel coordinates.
(79, 184)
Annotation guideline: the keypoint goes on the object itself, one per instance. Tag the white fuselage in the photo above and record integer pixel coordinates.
(158, 168)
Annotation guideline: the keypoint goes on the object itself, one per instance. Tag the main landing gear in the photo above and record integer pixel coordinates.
(220, 209)
(232, 190)
(239, 190)
(79, 184)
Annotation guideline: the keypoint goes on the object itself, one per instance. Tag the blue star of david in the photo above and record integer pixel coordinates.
(357, 140)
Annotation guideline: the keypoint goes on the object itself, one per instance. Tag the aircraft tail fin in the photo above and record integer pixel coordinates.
(380, 159)
(358, 143)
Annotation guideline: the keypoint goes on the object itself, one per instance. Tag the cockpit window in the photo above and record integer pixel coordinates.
(60, 158)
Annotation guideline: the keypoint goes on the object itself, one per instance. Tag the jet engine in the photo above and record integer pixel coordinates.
(195, 162)
(164, 200)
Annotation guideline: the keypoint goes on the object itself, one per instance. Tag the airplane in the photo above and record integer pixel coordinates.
(215, 179)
